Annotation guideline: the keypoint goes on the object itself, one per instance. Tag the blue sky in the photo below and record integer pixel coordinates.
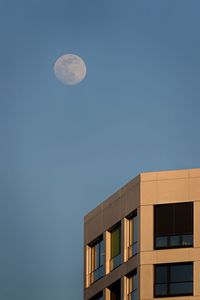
(64, 149)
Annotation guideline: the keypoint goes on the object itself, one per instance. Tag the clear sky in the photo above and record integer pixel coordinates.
(64, 149)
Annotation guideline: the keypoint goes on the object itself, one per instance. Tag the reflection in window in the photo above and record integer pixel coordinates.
(97, 259)
(132, 241)
(132, 286)
(173, 225)
(115, 254)
(173, 279)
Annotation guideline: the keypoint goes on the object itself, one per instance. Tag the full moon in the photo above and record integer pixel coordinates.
(70, 69)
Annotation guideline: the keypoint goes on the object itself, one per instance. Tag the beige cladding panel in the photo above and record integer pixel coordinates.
(175, 190)
(93, 228)
(166, 187)
(112, 214)
(148, 193)
(197, 278)
(174, 174)
(169, 256)
(194, 188)
(146, 281)
(132, 200)
(146, 228)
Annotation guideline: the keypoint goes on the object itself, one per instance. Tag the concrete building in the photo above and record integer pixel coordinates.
(143, 242)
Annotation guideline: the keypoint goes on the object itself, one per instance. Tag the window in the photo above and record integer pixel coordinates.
(115, 247)
(115, 291)
(173, 225)
(96, 259)
(132, 286)
(173, 279)
(99, 296)
(132, 238)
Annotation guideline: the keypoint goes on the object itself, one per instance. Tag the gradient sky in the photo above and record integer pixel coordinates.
(64, 149)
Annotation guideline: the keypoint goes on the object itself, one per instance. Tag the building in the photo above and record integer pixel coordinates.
(143, 242)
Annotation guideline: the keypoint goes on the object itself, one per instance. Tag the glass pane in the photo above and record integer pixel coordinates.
(135, 281)
(101, 253)
(135, 229)
(115, 262)
(181, 288)
(161, 242)
(116, 242)
(98, 273)
(181, 273)
(163, 219)
(132, 250)
(183, 218)
(133, 295)
(175, 241)
(160, 289)
(161, 274)
(97, 256)
(187, 240)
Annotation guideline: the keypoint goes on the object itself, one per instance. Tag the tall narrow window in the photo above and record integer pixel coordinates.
(132, 286)
(173, 280)
(115, 247)
(96, 259)
(132, 238)
(173, 225)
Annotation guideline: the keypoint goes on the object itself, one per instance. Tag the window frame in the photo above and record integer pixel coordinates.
(168, 283)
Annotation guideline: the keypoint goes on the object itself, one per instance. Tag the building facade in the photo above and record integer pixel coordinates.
(143, 242)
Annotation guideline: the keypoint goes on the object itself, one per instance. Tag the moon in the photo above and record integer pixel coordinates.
(70, 69)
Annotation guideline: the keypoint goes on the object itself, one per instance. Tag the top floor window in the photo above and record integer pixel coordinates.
(115, 254)
(173, 225)
(132, 234)
(96, 259)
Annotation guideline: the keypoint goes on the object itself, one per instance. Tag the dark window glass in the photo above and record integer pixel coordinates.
(173, 225)
(161, 274)
(97, 259)
(173, 279)
(163, 219)
(115, 247)
(115, 291)
(116, 241)
(181, 273)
